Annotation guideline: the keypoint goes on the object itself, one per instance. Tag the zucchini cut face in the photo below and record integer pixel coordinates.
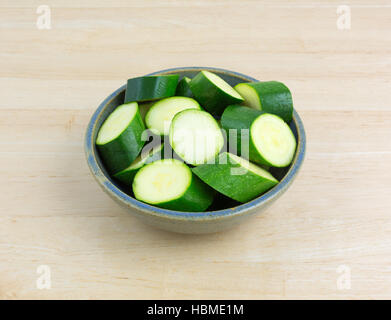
(116, 123)
(222, 84)
(196, 136)
(170, 184)
(162, 181)
(119, 139)
(159, 117)
(213, 93)
(250, 95)
(273, 139)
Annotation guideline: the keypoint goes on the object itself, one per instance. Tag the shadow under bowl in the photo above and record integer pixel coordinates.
(219, 217)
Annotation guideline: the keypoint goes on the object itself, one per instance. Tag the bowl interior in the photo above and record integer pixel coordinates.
(221, 202)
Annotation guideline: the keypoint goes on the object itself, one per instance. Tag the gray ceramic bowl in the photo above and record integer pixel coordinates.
(189, 222)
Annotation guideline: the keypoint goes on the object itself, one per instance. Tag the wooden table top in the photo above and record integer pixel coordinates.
(328, 237)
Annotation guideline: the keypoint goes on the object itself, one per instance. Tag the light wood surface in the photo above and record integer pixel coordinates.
(337, 213)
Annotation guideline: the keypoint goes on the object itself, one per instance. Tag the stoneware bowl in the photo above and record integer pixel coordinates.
(189, 222)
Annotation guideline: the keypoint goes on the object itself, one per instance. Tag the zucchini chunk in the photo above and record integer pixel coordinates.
(148, 155)
(196, 136)
(151, 88)
(270, 96)
(159, 117)
(144, 108)
(170, 184)
(119, 138)
(183, 88)
(269, 139)
(235, 177)
(213, 93)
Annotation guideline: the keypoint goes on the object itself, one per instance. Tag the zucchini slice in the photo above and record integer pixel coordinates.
(196, 136)
(269, 139)
(144, 108)
(119, 138)
(148, 154)
(213, 93)
(159, 117)
(235, 177)
(151, 88)
(270, 96)
(183, 88)
(170, 184)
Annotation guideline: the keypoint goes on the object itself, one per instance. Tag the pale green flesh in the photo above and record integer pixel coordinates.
(116, 122)
(196, 136)
(273, 139)
(162, 181)
(250, 96)
(251, 167)
(159, 117)
(222, 84)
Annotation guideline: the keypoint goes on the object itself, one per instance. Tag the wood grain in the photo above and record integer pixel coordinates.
(336, 213)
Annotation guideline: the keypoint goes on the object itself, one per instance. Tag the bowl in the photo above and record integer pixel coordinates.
(189, 222)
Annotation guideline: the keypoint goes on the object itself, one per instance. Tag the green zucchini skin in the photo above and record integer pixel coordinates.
(197, 198)
(127, 175)
(242, 188)
(236, 117)
(120, 152)
(274, 97)
(211, 97)
(144, 108)
(240, 117)
(151, 88)
(183, 88)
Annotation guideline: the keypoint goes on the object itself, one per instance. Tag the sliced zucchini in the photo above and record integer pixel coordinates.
(170, 184)
(148, 154)
(270, 96)
(119, 138)
(183, 88)
(144, 108)
(235, 177)
(213, 93)
(159, 117)
(195, 136)
(151, 88)
(267, 138)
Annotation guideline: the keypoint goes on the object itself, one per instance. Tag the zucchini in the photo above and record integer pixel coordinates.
(119, 139)
(195, 136)
(213, 93)
(159, 117)
(151, 88)
(170, 184)
(148, 154)
(270, 96)
(235, 177)
(268, 140)
(183, 88)
(144, 108)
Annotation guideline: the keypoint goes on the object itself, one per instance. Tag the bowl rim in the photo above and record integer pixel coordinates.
(127, 200)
